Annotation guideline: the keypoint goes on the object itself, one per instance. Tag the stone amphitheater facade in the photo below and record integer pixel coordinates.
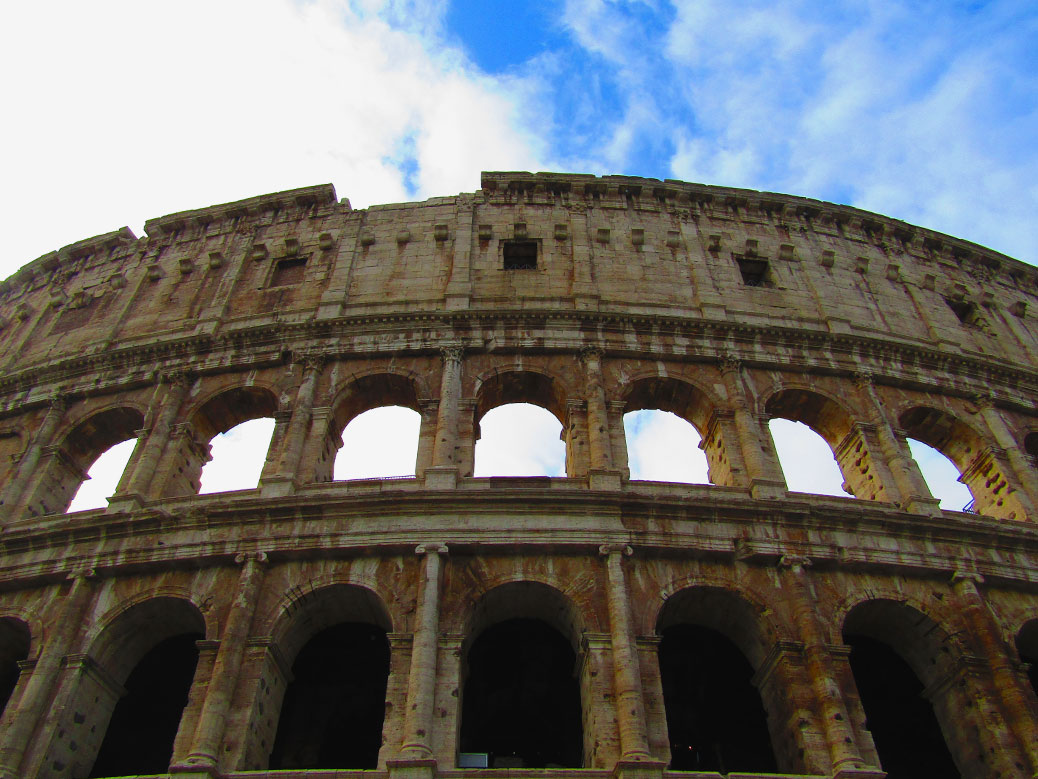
(588, 296)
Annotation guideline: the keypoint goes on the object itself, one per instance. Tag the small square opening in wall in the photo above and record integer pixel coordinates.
(288, 272)
(754, 271)
(520, 255)
(964, 310)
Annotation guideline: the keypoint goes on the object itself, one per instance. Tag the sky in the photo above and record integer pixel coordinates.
(118, 111)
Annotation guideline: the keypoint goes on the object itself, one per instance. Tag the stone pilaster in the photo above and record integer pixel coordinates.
(758, 455)
(205, 746)
(28, 466)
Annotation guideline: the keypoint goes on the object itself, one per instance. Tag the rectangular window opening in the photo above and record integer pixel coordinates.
(520, 255)
(754, 271)
(964, 310)
(288, 272)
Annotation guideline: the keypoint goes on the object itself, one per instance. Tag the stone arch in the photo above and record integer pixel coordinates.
(689, 402)
(973, 454)
(716, 645)
(16, 645)
(521, 698)
(80, 443)
(831, 418)
(1026, 643)
(884, 633)
(524, 384)
(360, 393)
(328, 710)
(214, 413)
(1031, 444)
(156, 634)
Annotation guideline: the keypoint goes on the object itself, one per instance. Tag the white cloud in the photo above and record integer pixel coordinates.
(237, 457)
(119, 111)
(520, 439)
(663, 447)
(378, 443)
(806, 459)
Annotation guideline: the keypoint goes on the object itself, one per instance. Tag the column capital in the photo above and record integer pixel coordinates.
(729, 363)
(969, 580)
(452, 353)
(431, 548)
(794, 562)
(590, 353)
(243, 558)
(310, 360)
(624, 550)
(864, 380)
(175, 378)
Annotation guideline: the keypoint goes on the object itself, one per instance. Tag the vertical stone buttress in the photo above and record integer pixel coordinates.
(158, 437)
(67, 621)
(212, 722)
(1025, 485)
(444, 454)
(601, 455)
(299, 422)
(836, 724)
(915, 495)
(627, 683)
(765, 477)
(985, 636)
(421, 680)
(28, 466)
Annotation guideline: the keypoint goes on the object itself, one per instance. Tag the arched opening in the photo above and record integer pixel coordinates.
(716, 719)
(896, 653)
(1031, 445)
(144, 724)
(661, 446)
(66, 470)
(124, 713)
(333, 711)
(1027, 646)
(806, 459)
(980, 468)
(520, 439)
(518, 426)
(664, 420)
(330, 714)
(217, 452)
(820, 447)
(238, 456)
(374, 430)
(103, 477)
(379, 443)
(522, 702)
(941, 476)
(14, 647)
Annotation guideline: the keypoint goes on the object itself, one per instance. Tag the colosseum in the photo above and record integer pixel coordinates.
(451, 625)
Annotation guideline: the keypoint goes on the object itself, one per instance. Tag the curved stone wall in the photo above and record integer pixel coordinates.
(590, 297)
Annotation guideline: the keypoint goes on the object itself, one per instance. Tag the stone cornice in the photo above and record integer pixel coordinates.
(721, 524)
(262, 345)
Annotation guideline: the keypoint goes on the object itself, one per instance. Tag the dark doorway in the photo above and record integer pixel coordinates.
(333, 710)
(902, 722)
(140, 735)
(522, 701)
(714, 713)
(14, 646)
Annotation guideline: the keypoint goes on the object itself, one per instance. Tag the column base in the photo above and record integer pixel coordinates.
(930, 507)
(859, 773)
(766, 489)
(126, 503)
(639, 769)
(441, 477)
(609, 480)
(202, 769)
(412, 768)
(277, 487)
